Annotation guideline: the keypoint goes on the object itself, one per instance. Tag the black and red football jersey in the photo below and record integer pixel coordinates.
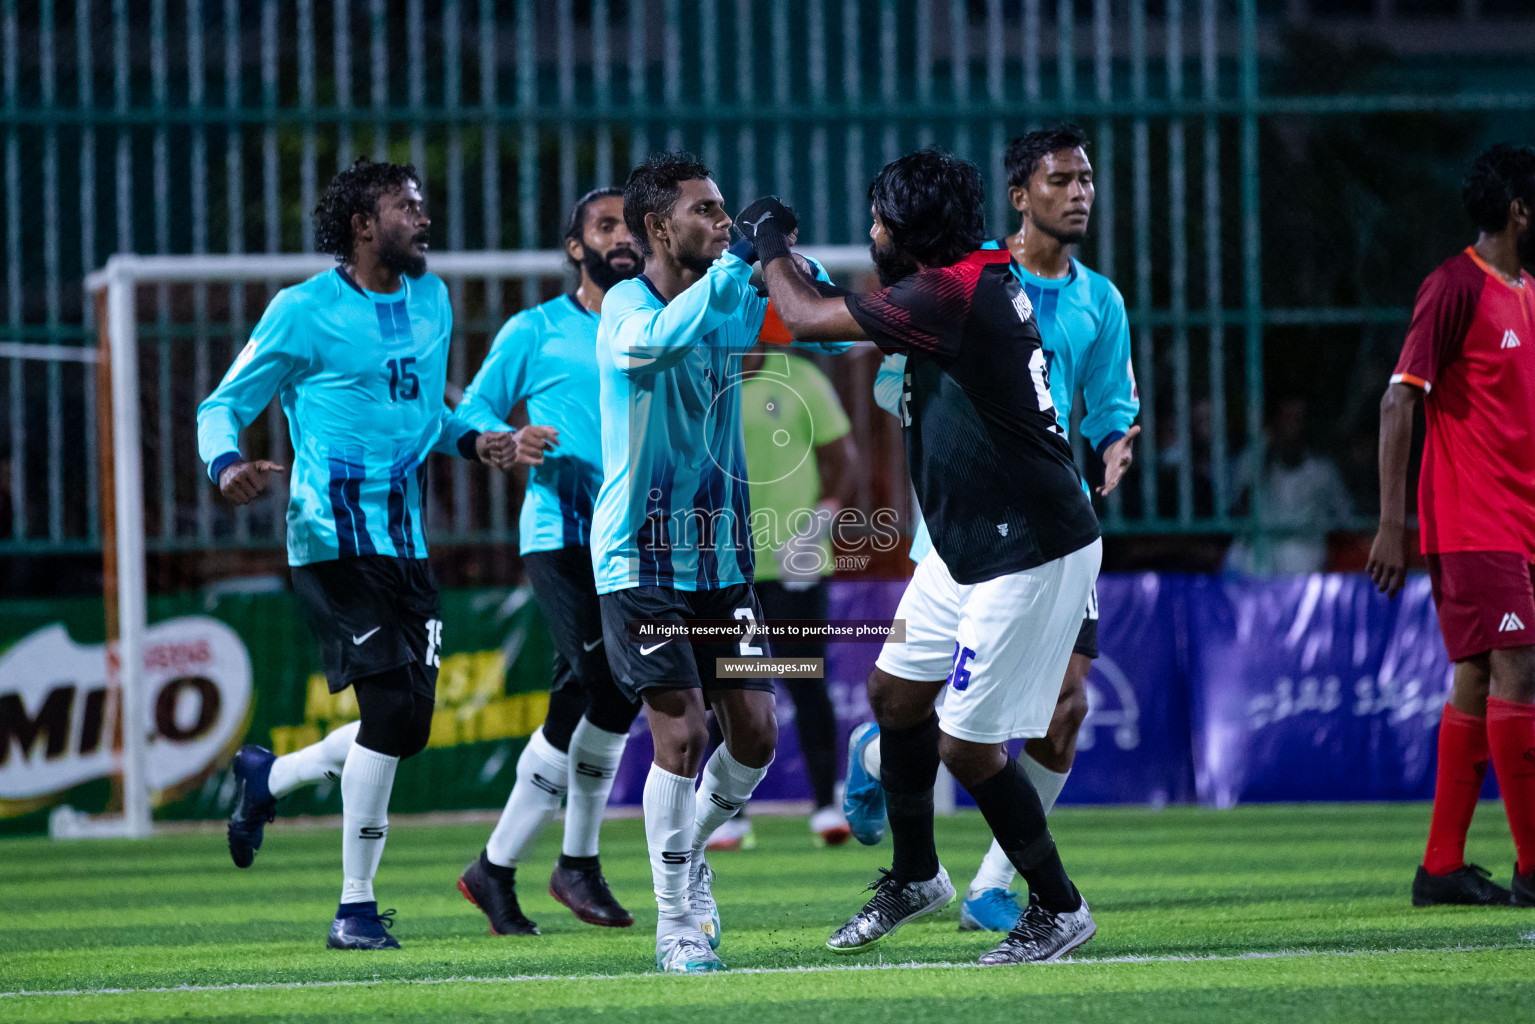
(992, 470)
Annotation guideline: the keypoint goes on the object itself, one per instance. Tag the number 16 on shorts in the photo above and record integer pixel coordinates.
(959, 675)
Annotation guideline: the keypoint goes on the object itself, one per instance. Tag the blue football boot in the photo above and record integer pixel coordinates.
(254, 805)
(361, 926)
(990, 910)
(863, 802)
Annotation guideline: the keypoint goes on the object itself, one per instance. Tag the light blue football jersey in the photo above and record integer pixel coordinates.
(673, 509)
(360, 376)
(548, 356)
(1086, 336)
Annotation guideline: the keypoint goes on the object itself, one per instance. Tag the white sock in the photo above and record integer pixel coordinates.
(1047, 783)
(366, 779)
(871, 757)
(727, 785)
(997, 871)
(540, 786)
(594, 757)
(315, 762)
(669, 835)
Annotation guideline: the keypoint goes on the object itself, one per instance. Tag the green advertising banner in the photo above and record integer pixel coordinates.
(243, 668)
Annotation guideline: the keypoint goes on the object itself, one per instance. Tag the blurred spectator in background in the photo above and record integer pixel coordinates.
(1361, 472)
(1303, 497)
(1171, 456)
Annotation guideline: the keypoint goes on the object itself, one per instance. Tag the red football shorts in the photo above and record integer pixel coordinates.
(1486, 600)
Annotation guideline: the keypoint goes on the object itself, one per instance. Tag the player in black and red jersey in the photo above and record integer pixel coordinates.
(1470, 359)
(998, 603)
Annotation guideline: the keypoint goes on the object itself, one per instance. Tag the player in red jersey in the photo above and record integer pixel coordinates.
(1470, 359)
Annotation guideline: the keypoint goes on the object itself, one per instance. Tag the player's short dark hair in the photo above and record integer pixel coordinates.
(933, 204)
(653, 187)
(355, 190)
(1496, 178)
(575, 230)
(1026, 151)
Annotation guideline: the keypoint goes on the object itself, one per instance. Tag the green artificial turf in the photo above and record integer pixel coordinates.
(1261, 913)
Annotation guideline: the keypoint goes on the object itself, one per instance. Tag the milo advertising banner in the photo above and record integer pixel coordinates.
(244, 668)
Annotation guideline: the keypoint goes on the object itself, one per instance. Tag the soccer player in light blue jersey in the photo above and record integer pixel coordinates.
(358, 358)
(1081, 318)
(671, 542)
(547, 356)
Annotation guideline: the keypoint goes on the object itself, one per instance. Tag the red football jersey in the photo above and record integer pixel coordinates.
(1471, 348)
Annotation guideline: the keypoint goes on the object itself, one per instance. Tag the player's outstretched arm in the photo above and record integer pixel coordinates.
(642, 338)
(1117, 458)
(808, 315)
(504, 378)
(1111, 401)
(1387, 566)
(272, 355)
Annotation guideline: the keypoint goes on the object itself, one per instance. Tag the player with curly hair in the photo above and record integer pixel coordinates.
(358, 357)
(1469, 358)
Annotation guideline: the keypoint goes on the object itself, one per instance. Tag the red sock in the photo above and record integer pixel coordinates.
(1462, 767)
(1511, 734)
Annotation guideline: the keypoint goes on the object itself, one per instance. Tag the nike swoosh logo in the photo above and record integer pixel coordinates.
(359, 640)
(592, 646)
(655, 647)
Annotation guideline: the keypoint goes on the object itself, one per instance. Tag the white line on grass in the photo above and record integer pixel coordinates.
(1283, 954)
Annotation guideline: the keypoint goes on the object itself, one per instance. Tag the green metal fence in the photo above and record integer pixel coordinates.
(212, 125)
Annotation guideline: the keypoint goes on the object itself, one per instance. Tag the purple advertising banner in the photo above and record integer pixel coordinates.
(1313, 688)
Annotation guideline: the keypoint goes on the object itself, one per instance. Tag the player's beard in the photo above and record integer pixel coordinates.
(891, 263)
(1525, 248)
(599, 266)
(399, 260)
(695, 260)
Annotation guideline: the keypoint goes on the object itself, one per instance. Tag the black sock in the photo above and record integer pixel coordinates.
(908, 770)
(496, 871)
(1011, 807)
(579, 863)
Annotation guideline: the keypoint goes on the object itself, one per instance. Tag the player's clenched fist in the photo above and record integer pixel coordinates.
(244, 482)
(766, 226)
(496, 448)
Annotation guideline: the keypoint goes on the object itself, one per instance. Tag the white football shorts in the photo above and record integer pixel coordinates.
(1002, 645)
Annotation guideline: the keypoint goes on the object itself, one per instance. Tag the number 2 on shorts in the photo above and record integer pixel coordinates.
(748, 649)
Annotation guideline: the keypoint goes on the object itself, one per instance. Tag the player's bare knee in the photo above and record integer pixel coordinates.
(970, 763)
(1512, 675)
(749, 720)
(1070, 712)
(898, 703)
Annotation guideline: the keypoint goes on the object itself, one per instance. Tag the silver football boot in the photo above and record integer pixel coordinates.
(892, 905)
(1041, 937)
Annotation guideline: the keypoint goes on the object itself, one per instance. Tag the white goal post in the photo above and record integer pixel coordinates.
(118, 328)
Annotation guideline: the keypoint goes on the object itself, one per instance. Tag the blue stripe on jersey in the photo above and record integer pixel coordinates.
(346, 479)
(708, 559)
(740, 503)
(568, 490)
(401, 528)
(1044, 301)
(655, 543)
(393, 322)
